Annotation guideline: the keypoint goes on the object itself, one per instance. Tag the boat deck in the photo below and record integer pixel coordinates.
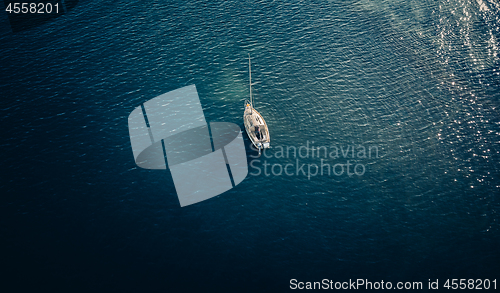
(253, 118)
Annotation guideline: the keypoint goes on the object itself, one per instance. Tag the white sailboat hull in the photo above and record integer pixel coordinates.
(251, 119)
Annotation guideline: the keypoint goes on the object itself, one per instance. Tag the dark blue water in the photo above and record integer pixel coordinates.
(418, 80)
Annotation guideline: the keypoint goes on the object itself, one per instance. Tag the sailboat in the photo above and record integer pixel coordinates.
(255, 124)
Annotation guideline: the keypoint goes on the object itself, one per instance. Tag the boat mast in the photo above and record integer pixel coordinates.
(250, 74)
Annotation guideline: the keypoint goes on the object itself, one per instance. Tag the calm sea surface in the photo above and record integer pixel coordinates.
(417, 81)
